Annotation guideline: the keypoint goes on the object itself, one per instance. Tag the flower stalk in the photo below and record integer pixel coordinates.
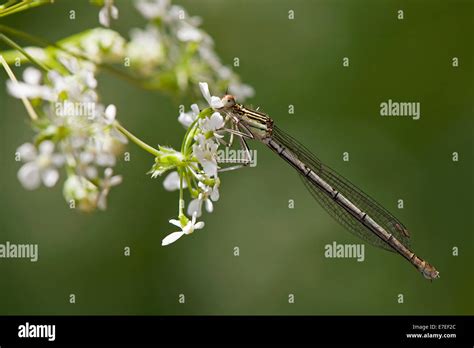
(136, 140)
(29, 108)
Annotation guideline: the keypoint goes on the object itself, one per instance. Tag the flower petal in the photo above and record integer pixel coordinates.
(104, 18)
(185, 119)
(50, 177)
(108, 173)
(114, 12)
(29, 176)
(171, 182)
(209, 205)
(216, 121)
(189, 33)
(91, 172)
(215, 193)
(195, 109)
(27, 152)
(209, 167)
(32, 76)
(199, 225)
(46, 147)
(195, 207)
(110, 112)
(24, 90)
(102, 200)
(204, 87)
(171, 238)
(105, 159)
(86, 157)
(57, 159)
(175, 222)
(115, 180)
(216, 102)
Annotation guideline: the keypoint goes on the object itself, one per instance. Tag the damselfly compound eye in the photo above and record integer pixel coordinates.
(228, 101)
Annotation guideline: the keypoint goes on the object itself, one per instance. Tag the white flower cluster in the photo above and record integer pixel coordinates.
(189, 50)
(171, 52)
(196, 163)
(74, 132)
(98, 45)
(77, 133)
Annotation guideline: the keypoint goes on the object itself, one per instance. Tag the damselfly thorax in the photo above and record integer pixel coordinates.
(255, 124)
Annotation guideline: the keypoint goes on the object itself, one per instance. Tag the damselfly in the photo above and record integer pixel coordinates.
(346, 203)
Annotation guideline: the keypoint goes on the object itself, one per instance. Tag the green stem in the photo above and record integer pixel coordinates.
(192, 128)
(22, 6)
(14, 45)
(181, 200)
(188, 181)
(6, 5)
(183, 144)
(29, 108)
(136, 140)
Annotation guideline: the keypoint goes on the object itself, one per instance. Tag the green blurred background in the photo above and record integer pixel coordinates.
(295, 62)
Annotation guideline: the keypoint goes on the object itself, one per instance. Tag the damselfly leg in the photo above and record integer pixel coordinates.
(247, 160)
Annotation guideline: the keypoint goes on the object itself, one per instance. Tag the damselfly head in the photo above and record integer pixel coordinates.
(229, 101)
(429, 272)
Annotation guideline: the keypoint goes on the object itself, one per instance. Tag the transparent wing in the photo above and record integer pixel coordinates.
(363, 201)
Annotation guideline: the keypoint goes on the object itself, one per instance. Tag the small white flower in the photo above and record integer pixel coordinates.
(207, 195)
(195, 206)
(152, 9)
(79, 85)
(145, 48)
(81, 72)
(31, 88)
(100, 44)
(205, 150)
(171, 182)
(40, 166)
(187, 32)
(80, 190)
(108, 12)
(107, 183)
(110, 113)
(92, 155)
(187, 118)
(214, 191)
(85, 165)
(104, 135)
(213, 123)
(32, 76)
(105, 159)
(213, 101)
(186, 229)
